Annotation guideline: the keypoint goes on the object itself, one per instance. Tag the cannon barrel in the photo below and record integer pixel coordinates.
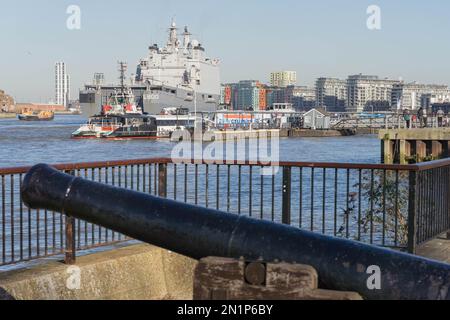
(199, 232)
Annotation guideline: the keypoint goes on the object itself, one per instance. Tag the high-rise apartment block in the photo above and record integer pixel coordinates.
(369, 93)
(253, 95)
(430, 99)
(62, 84)
(283, 79)
(302, 98)
(331, 94)
(413, 95)
(244, 95)
(359, 93)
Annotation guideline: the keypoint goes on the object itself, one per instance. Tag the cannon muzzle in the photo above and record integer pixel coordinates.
(199, 232)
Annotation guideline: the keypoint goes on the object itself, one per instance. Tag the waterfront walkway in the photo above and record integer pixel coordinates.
(437, 249)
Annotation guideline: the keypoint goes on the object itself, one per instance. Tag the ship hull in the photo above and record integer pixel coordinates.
(122, 127)
(155, 101)
(34, 118)
(152, 101)
(86, 137)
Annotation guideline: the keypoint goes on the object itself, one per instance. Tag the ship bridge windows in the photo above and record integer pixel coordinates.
(102, 121)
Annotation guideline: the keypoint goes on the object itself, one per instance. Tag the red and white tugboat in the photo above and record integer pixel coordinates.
(120, 118)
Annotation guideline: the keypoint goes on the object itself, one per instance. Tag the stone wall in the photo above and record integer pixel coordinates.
(139, 272)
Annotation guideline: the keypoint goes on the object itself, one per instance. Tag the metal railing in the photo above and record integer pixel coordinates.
(429, 202)
(388, 121)
(396, 206)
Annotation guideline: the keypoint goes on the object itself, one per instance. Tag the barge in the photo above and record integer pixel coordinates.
(29, 115)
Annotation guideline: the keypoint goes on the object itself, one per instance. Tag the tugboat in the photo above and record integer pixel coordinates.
(118, 126)
(30, 115)
(120, 118)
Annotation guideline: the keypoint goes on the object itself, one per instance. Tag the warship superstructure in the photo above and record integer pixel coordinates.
(178, 75)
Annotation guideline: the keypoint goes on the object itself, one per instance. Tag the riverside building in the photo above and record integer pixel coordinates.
(62, 84)
(414, 95)
(283, 79)
(331, 94)
(369, 93)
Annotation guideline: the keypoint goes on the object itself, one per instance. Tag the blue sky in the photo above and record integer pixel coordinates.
(251, 37)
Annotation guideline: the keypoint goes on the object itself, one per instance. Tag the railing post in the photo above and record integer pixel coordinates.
(286, 214)
(447, 182)
(162, 175)
(412, 212)
(70, 248)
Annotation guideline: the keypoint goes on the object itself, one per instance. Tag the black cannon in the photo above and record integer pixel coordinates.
(199, 232)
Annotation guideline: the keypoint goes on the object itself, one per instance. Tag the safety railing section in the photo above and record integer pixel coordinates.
(386, 121)
(355, 202)
(397, 206)
(430, 202)
(27, 234)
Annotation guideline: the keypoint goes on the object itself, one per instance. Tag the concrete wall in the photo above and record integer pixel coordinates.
(416, 134)
(414, 145)
(245, 134)
(139, 272)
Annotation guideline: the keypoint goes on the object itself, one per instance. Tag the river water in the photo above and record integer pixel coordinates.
(319, 198)
(28, 143)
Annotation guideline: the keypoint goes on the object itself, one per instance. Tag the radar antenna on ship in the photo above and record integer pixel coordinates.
(173, 35)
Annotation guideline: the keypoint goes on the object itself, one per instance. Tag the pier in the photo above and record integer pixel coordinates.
(261, 134)
(414, 145)
(234, 135)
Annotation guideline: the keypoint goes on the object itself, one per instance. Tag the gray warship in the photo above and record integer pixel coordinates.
(176, 75)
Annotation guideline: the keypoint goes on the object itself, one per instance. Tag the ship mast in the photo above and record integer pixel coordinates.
(173, 36)
(123, 66)
(186, 37)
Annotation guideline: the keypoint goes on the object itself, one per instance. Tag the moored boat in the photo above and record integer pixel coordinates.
(120, 118)
(118, 126)
(173, 119)
(29, 115)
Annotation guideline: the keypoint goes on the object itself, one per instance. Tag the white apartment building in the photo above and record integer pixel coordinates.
(283, 79)
(62, 84)
(302, 98)
(331, 94)
(429, 99)
(413, 95)
(369, 93)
